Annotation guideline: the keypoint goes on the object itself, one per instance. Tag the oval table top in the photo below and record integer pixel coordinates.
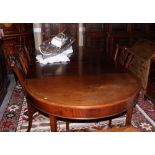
(72, 93)
(87, 87)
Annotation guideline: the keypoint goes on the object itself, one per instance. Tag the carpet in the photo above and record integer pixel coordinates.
(15, 118)
(12, 113)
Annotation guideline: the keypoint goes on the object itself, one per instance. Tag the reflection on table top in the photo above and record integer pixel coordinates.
(84, 61)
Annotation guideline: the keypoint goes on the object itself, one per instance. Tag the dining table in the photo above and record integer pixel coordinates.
(90, 86)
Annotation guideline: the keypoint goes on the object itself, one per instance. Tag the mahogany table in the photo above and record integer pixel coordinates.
(89, 87)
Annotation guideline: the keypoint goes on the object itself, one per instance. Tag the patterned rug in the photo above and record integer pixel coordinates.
(15, 118)
(12, 113)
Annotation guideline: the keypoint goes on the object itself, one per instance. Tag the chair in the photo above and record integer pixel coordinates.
(20, 74)
(125, 58)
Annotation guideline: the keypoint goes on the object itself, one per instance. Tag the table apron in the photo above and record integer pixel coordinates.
(82, 113)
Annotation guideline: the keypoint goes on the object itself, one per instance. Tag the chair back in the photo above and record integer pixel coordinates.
(23, 62)
(27, 53)
(16, 68)
(129, 60)
(122, 56)
(23, 49)
(23, 58)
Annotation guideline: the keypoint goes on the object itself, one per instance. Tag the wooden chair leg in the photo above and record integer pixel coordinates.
(31, 111)
(53, 123)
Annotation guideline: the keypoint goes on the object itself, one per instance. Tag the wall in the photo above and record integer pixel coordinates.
(44, 31)
(102, 35)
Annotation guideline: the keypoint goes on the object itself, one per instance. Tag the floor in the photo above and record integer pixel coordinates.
(8, 95)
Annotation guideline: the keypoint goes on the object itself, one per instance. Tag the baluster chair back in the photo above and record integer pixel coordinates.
(23, 58)
(17, 69)
(122, 56)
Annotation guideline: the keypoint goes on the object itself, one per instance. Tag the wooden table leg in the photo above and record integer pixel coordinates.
(129, 116)
(110, 123)
(53, 123)
(67, 125)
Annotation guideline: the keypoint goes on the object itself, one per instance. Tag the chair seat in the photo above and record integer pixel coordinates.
(121, 129)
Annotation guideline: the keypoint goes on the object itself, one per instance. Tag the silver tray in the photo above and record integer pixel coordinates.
(48, 50)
